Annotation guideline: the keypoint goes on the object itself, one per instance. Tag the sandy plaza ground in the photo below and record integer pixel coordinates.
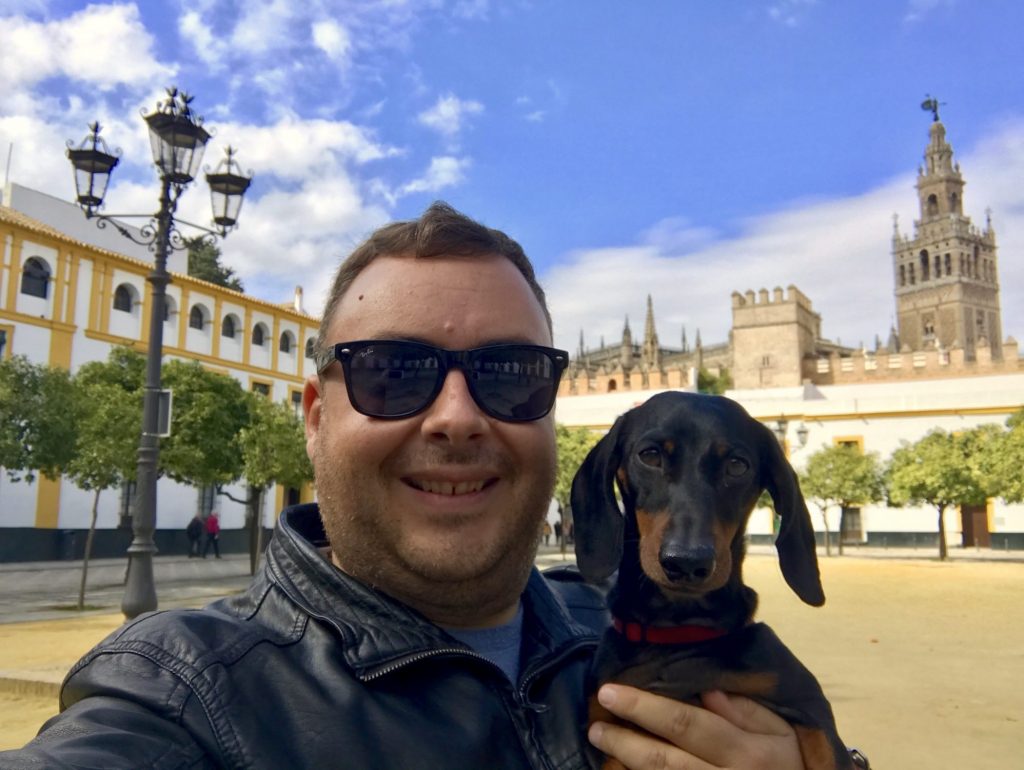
(923, 661)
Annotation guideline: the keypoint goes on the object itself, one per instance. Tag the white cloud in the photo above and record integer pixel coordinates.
(449, 114)
(837, 252)
(90, 46)
(445, 171)
(333, 39)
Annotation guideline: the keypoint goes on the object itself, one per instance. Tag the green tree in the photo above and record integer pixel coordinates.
(204, 263)
(936, 470)
(1001, 459)
(841, 475)
(713, 384)
(574, 444)
(273, 446)
(108, 411)
(209, 412)
(37, 425)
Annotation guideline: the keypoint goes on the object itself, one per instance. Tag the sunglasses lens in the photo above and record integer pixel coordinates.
(392, 379)
(513, 382)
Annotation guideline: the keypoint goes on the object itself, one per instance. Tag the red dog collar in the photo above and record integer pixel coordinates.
(690, 634)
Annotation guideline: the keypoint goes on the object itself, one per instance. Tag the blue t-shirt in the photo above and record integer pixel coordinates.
(500, 644)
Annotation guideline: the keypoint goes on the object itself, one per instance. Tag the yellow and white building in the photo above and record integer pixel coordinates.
(68, 293)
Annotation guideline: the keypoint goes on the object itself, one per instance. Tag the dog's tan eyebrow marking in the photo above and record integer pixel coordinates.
(669, 446)
(620, 474)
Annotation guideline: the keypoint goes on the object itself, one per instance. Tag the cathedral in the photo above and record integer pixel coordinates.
(946, 286)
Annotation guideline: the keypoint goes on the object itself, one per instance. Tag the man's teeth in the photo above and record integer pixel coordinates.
(450, 488)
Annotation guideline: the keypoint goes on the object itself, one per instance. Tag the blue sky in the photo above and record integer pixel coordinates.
(680, 149)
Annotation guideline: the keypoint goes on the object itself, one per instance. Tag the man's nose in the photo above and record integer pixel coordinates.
(454, 416)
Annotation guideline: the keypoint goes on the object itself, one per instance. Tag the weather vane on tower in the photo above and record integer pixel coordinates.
(931, 104)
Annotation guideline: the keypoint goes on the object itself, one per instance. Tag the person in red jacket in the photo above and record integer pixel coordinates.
(212, 535)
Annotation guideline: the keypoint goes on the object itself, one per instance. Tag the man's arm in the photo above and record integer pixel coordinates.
(729, 733)
(111, 733)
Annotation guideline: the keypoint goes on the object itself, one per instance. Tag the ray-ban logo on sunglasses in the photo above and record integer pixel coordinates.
(391, 379)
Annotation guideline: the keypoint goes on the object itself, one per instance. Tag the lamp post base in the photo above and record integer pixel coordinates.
(139, 589)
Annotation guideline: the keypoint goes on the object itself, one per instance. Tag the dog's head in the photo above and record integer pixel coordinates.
(689, 469)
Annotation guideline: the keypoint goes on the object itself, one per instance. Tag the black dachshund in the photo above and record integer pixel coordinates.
(689, 469)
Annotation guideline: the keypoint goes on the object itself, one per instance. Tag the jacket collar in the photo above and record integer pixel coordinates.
(378, 631)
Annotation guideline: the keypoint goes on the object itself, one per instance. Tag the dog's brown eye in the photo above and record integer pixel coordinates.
(736, 467)
(651, 457)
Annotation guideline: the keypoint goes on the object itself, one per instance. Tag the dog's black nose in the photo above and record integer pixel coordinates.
(687, 565)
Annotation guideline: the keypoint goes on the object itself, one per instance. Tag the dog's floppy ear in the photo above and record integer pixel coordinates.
(795, 542)
(597, 521)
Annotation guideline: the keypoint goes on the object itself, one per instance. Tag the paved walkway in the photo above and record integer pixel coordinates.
(42, 634)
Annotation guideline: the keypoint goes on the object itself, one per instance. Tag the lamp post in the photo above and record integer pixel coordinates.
(178, 139)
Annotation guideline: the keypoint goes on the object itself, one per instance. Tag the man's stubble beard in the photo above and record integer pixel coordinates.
(448, 582)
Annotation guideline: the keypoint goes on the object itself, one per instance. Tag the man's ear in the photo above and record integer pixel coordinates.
(312, 403)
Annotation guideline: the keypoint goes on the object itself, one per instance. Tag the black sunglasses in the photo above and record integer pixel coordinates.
(392, 379)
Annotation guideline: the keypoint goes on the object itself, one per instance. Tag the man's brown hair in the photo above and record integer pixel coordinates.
(440, 232)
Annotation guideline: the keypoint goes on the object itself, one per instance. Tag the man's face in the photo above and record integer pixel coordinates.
(441, 510)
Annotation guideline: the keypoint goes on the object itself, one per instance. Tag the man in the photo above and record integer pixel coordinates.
(401, 624)
(194, 531)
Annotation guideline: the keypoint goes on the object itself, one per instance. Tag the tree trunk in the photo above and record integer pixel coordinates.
(828, 540)
(88, 549)
(255, 528)
(842, 523)
(943, 553)
(259, 528)
(563, 512)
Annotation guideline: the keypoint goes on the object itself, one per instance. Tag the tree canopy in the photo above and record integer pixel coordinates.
(37, 418)
(209, 411)
(204, 263)
(936, 470)
(841, 475)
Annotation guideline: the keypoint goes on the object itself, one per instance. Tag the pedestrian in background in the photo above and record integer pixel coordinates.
(212, 535)
(194, 531)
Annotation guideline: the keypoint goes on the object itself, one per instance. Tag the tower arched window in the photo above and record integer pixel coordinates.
(35, 278)
(933, 206)
(910, 274)
(903, 275)
(924, 265)
(123, 299)
(195, 318)
(949, 265)
(228, 327)
(937, 271)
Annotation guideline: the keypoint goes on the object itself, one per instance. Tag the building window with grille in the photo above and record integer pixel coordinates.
(297, 403)
(309, 348)
(259, 335)
(3, 343)
(35, 278)
(123, 299)
(263, 388)
(207, 496)
(195, 318)
(227, 327)
(286, 344)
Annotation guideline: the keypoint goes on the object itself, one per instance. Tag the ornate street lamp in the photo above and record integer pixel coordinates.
(178, 139)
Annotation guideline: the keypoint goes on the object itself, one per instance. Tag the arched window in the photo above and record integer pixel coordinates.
(933, 206)
(35, 278)
(924, 265)
(309, 348)
(612, 386)
(169, 308)
(195, 318)
(123, 299)
(227, 326)
(903, 275)
(259, 335)
(286, 344)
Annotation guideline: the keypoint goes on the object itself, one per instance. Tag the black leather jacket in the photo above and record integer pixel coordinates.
(310, 669)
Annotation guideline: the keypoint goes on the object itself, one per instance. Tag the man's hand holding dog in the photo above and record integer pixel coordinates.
(730, 732)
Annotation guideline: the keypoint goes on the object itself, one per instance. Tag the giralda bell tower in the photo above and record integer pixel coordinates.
(946, 276)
